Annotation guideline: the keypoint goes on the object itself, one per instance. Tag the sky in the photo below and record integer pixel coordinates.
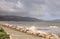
(40, 9)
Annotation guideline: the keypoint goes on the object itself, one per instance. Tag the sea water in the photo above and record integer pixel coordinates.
(50, 27)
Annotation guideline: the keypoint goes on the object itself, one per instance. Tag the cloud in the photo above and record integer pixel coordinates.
(11, 6)
(19, 4)
(5, 6)
(41, 9)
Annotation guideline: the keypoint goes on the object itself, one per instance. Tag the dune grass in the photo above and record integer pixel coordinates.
(3, 34)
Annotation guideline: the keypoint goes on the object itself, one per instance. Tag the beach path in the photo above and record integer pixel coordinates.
(20, 35)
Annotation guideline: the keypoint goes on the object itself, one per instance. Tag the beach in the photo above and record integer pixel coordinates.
(51, 27)
(20, 35)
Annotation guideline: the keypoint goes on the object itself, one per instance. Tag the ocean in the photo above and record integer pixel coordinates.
(50, 27)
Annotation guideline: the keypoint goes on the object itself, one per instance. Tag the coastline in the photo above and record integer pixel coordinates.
(14, 27)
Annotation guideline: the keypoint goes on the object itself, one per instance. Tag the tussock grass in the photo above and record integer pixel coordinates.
(3, 34)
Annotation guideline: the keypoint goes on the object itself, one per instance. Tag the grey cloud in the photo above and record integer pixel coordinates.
(41, 9)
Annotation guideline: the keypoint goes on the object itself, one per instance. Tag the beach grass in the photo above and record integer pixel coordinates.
(3, 34)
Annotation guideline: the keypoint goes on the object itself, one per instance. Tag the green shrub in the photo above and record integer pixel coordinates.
(1, 30)
(3, 35)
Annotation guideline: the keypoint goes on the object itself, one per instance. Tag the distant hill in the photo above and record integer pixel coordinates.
(20, 18)
(57, 20)
(17, 18)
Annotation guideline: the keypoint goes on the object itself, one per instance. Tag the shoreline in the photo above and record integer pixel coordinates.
(15, 27)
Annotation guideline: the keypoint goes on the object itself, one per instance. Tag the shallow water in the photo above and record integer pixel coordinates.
(51, 27)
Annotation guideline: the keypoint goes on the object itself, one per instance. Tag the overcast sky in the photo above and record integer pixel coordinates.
(41, 9)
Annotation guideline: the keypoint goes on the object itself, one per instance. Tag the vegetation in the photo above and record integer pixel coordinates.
(3, 34)
(1, 30)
